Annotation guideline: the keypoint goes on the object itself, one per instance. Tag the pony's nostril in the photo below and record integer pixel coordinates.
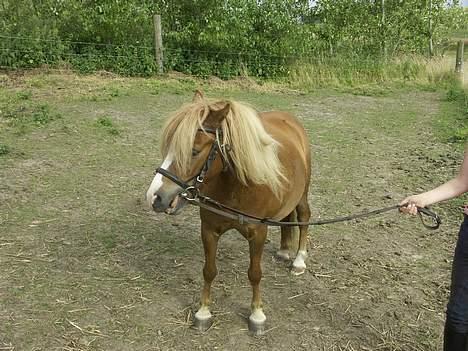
(157, 199)
(157, 202)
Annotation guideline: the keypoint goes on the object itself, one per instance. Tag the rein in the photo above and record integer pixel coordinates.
(191, 193)
(243, 218)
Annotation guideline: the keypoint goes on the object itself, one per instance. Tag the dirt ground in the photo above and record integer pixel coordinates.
(84, 265)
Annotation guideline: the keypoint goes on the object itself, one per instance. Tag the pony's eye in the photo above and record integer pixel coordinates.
(195, 152)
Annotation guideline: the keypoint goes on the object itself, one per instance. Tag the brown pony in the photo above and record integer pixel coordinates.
(255, 162)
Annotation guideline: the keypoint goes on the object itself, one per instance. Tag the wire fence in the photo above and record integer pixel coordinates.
(20, 52)
(168, 49)
(128, 59)
(8, 37)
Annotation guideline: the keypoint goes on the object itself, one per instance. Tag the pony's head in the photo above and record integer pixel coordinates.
(188, 140)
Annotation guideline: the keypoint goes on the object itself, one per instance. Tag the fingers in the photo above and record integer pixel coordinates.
(405, 201)
(410, 205)
(409, 209)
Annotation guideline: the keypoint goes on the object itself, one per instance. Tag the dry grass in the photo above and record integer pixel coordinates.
(344, 73)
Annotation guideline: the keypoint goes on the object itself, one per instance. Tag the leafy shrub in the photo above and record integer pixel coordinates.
(222, 38)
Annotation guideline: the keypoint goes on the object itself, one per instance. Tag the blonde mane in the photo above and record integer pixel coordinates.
(253, 154)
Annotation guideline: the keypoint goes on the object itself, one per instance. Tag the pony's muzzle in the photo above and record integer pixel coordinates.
(159, 205)
(168, 204)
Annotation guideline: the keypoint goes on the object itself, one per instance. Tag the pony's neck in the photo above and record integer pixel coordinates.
(226, 184)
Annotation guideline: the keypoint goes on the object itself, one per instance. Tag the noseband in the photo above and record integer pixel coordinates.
(191, 191)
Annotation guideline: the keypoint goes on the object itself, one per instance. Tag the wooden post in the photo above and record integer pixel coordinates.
(384, 39)
(158, 44)
(431, 34)
(459, 60)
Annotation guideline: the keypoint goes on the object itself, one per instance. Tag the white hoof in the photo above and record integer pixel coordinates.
(257, 322)
(203, 319)
(299, 265)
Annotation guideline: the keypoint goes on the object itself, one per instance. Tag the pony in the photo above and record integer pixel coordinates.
(259, 163)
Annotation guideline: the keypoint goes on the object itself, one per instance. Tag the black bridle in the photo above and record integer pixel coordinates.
(191, 191)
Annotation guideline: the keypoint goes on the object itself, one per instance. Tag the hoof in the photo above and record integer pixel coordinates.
(202, 320)
(297, 270)
(256, 328)
(202, 324)
(299, 266)
(282, 255)
(257, 323)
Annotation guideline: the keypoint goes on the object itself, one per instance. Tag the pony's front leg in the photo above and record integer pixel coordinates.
(203, 318)
(256, 242)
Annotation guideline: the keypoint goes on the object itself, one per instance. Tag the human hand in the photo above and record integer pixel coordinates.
(411, 203)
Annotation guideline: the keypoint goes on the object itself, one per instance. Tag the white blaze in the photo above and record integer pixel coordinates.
(157, 181)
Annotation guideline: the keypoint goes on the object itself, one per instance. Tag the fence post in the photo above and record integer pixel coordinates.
(431, 34)
(459, 60)
(384, 39)
(158, 44)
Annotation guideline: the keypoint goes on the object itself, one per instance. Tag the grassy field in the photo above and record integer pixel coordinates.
(84, 265)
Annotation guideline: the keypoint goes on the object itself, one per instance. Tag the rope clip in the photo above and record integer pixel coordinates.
(190, 194)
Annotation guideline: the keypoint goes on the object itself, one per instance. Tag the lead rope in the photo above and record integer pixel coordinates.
(216, 207)
(191, 193)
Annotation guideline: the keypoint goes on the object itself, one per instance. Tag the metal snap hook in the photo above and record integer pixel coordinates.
(190, 193)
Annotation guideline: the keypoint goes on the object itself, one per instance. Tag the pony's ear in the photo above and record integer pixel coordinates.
(198, 96)
(215, 117)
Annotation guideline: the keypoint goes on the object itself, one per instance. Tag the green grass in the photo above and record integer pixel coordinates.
(453, 127)
(23, 115)
(106, 124)
(4, 150)
(24, 95)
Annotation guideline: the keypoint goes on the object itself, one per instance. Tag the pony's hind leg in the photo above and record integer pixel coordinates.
(303, 215)
(288, 234)
(203, 318)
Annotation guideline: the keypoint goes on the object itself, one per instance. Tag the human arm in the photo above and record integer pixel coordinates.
(446, 191)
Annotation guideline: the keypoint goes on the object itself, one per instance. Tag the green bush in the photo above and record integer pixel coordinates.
(222, 38)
